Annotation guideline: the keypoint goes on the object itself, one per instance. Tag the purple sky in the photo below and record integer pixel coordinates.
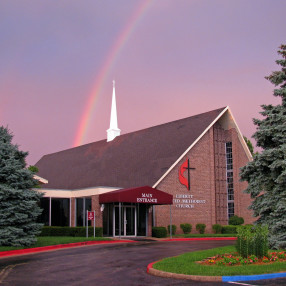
(184, 57)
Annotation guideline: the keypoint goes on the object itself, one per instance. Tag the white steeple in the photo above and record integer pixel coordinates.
(113, 130)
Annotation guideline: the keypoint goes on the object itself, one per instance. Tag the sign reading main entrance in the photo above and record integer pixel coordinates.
(147, 198)
(185, 181)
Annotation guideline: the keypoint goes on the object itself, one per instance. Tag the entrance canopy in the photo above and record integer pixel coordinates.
(142, 195)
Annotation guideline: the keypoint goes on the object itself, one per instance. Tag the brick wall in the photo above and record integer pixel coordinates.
(95, 206)
(202, 188)
(208, 184)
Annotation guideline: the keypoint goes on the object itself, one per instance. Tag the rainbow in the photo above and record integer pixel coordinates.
(112, 55)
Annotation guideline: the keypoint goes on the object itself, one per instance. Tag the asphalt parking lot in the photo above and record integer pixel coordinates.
(113, 264)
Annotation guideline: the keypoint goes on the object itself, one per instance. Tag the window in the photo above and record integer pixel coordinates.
(60, 213)
(229, 179)
(229, 156)
(82, 205)
(45, 206)
(230, 209)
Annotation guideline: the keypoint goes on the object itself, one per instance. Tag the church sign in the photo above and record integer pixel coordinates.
(186, 201)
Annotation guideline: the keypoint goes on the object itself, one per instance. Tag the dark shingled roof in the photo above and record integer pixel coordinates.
(131, 160)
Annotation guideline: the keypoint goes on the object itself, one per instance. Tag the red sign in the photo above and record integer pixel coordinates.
(182, 179)
(90, 215)
(185, 181)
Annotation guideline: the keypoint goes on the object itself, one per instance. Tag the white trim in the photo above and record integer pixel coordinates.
(248, 154)
(194, 143)
(241, 139)
(58, 193)
(40, 179)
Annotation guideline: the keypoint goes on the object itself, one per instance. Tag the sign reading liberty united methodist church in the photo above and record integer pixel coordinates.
(185, 181)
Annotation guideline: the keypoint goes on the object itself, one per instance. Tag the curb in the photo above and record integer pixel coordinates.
(200, 238)
(164, 274)
(155, 272)
(58, 246)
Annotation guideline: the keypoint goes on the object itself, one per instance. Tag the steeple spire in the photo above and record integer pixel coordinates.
(113, 130)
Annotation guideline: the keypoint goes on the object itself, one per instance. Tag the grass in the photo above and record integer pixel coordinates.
(54, 240)
(185, 264)
(189, 235)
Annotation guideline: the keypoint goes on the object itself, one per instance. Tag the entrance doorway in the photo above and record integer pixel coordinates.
(128, 219)
(133, 217)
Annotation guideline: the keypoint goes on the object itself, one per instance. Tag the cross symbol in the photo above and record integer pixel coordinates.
(189, 175)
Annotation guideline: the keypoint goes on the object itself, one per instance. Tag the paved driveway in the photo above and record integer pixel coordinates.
(116, 264)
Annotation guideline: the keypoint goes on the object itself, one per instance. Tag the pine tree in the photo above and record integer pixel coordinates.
(18, 201)
(266, 174)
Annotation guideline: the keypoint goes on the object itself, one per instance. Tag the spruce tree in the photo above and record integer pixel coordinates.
(266, 174)
(18, 201)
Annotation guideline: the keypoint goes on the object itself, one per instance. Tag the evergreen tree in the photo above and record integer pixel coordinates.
(266, 174)
(249, 145)
(18, 201)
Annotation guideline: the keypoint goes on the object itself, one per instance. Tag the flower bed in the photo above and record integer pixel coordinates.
(232, 259)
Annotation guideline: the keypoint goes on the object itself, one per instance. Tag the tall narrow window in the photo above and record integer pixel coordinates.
(229, 179)
(82, 205)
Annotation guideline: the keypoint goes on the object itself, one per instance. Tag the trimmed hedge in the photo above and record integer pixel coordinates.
(229, 229)
(200, 227)
(186, 227)
(217, 228)
(236, 220)
(79, 231)
(159, 231)
(174, 228)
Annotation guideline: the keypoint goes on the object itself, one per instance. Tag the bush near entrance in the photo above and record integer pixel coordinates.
(229, 229)
(236, 220)
(159, 231)
(186, 227)
(200, 227)
(217, 228)
(174, 228)
(79, 231)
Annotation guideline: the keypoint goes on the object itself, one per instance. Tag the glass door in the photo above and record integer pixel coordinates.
(128, 221)
(129, 217)
(117, 230)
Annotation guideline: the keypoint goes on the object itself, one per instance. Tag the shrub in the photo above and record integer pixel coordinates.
(186, 227)
(252, 241)
(200, 227)
(217, 228)
(236, 220)
(159, 231)
(174, 228)
(229, 229)
(79, 231)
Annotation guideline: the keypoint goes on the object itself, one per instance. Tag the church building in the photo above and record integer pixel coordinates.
(187, 169)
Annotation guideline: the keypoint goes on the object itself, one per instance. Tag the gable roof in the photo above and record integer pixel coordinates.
(131, 160)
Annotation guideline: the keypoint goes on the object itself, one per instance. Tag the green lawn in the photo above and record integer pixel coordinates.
(185, 264)
(53, 240)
